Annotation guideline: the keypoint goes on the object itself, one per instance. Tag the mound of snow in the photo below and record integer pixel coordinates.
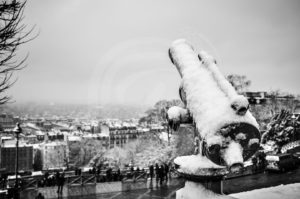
(194, 190)
(290, 191)
(198, 165)
(176, 112)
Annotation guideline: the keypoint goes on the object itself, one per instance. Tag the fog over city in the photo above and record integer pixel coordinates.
(116, 51)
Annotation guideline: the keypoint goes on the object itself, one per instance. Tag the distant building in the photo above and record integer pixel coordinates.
(54, 135)
(7, 122)
(54, 155)
(29, 128)
(8, 158)
(119, 135)
(47, 125)
(40, 136)
(256, 98)
(31, 139)
(73, 149)
(6, 139)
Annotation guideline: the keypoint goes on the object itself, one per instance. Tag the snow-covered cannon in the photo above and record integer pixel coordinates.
(228, 132)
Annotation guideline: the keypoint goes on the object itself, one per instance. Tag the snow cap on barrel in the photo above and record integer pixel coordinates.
(211, 100)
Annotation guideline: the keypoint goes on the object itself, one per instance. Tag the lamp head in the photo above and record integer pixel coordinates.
(17, 129)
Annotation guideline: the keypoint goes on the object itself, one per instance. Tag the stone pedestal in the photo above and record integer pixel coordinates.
(195, 190)
(204, 179)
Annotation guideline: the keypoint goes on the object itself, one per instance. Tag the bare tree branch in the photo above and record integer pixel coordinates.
(13, 33)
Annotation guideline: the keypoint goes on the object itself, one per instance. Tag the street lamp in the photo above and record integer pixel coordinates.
(17, 130)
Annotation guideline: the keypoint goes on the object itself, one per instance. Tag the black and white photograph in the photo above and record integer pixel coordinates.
(149, 99)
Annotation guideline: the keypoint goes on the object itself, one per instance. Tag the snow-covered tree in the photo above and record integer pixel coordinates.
(239, 82)
(157, 114)
(282, 129)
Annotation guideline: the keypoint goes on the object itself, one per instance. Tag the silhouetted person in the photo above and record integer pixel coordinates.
(166, 173)
(46, 176)
(151, 169)
(57, 178)
(254, 162)
(161, 173)
(60, 183)
(156, 173)
(108, 174)
(119, 174)
(40, 196)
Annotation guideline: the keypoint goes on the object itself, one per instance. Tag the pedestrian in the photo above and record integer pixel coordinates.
(161, 173)
(119, 174)
(151, 170)
(108, 174)
(254, 163)
(40, 196)
(157, 173)
(98, 171)
(60, 182)
(166, 171)
(57, 178)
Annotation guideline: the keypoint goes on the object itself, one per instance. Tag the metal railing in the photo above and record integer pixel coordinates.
(85, 179)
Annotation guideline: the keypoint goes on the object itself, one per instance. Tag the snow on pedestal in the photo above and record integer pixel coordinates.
(194, 190)
(199, 166)
(204, 178)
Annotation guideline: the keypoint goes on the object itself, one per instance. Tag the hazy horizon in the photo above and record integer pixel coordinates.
(115, 52)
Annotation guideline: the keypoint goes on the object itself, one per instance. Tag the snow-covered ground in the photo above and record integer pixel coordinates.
(290, 191)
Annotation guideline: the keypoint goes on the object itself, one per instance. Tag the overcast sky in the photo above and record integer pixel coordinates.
(96, 51)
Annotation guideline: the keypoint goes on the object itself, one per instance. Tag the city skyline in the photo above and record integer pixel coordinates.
(115, 52)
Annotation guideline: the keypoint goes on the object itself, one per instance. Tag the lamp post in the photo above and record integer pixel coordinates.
(17, 130)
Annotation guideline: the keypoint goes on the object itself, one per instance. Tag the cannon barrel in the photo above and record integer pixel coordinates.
(227, 128)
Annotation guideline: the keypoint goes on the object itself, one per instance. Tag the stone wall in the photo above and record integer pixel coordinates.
(71, 191)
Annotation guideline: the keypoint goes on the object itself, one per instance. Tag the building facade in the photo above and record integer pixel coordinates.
(8, 158)
(54, 155)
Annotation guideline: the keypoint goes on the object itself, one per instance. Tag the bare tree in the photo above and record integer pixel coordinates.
(13, 33)
(239, 82)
